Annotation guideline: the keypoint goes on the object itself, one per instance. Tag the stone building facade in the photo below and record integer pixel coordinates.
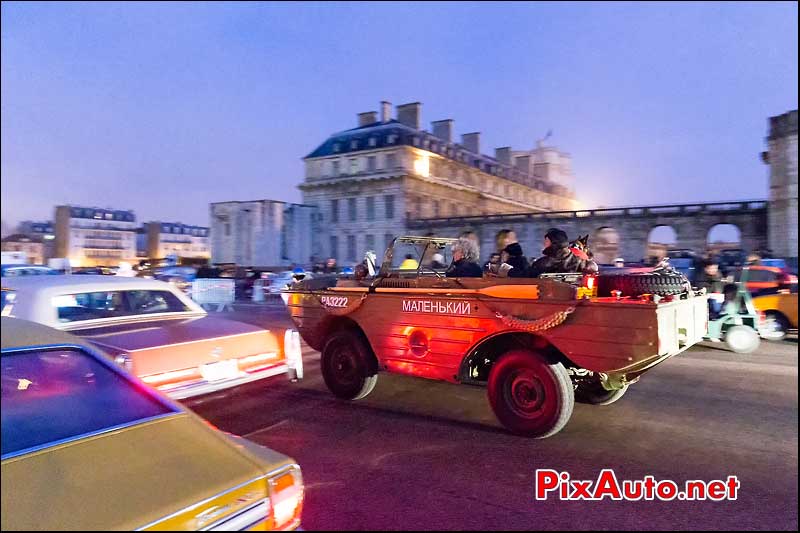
(263, 233)
(367, 183)
(781, 157)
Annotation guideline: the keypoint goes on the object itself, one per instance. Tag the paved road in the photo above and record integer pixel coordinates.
(417, 454)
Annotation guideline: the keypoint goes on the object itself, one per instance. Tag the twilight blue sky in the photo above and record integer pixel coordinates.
(164, 108)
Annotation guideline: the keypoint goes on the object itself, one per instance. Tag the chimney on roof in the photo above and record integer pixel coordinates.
(409, 114)
(523, 163)
(503, 155)
(365, 119)
(472, 142)
(443, 129)
(386, 111)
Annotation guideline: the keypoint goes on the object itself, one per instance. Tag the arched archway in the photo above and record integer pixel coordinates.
(723, 236)
(604, 244)
(660, 240)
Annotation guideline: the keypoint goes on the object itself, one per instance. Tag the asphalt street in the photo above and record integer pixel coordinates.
(418, 454)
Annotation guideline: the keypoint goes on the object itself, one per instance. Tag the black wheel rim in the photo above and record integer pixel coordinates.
(525, 394)
(343, 365)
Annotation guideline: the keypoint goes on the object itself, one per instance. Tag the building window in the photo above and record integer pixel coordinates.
(351, 247)
(372, 141)
(354, 166)
(335, 210)
(390, 139)
(391, 160)
(370, 208)
(415, 141)
(227, 229)
(351, 209)
(436, 208)
(335, 168)
(354, 145)
(334, 246)
(389, 202)
(371, 163)
(370, 242)
(336, 147)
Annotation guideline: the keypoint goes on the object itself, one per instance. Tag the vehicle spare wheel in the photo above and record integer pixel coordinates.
(662, 284)
(530, 395)
(346, 366)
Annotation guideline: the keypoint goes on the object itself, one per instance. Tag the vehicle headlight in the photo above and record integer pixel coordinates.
(124, 360)
(286, 494)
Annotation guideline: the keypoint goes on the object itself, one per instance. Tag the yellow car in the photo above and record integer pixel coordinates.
(87, 446)
(781, 311)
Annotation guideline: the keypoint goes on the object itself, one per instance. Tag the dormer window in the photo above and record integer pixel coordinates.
(390, 139)
(373, 141)
(354, 145)
(336, 147)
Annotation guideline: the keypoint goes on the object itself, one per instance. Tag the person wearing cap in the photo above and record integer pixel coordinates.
(511, 254)
(557, 257)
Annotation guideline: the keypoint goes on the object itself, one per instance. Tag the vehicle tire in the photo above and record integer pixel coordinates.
(778, 326)
(529, 395)
(593, 393)
(742, 339)
(345, 366)
(637, 284)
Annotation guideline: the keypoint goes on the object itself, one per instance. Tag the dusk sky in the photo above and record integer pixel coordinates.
(164, 108)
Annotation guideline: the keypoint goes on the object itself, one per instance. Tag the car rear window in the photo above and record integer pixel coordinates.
(56, 394)
(111, 304)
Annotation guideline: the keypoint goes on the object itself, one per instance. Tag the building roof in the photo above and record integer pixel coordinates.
(97, 213)
(21, 237)
(394, 133)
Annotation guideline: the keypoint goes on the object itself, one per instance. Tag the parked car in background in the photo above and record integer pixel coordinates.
(27, 270)
(87, 446)
(155, 331)
(780, 309)
(767, 278)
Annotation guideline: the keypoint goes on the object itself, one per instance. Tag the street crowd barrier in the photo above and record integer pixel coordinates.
(214, 291)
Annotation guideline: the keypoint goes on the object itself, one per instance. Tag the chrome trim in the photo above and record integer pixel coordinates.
(84, 436)
(198, 388)
(244, 519)
(202, 502)
(110, 321)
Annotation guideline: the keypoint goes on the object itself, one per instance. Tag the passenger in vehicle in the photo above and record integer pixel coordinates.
(465, 260)
(409, 263)
(511, 254)
(557, 257)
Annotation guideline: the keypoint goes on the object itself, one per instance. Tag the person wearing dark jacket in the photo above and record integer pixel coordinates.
(511, 253)
(465, 260)
(557, 257)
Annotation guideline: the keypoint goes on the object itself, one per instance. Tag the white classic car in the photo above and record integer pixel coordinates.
(154, 330)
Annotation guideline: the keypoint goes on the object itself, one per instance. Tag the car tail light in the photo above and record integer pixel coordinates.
(588, 288)
(286, 493)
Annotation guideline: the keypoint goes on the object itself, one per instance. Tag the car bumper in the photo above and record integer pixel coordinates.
(197, 388)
